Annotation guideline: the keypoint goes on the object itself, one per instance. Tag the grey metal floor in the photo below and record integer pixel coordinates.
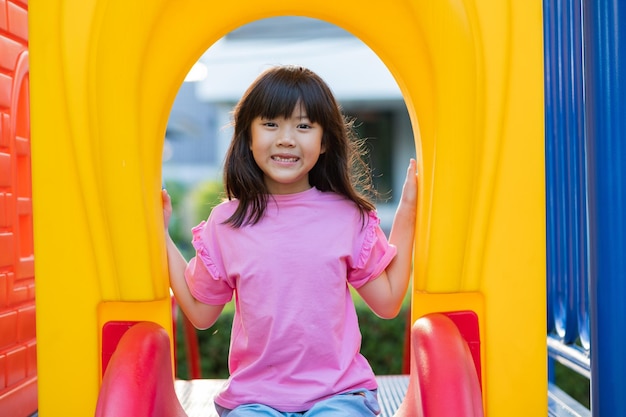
(196, 396)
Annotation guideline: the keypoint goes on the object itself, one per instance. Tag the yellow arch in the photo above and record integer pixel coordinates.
(104, 75)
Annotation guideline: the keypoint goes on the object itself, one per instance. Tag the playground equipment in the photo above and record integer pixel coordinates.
(472, 78)
(585, 154)
(18, 359)
(139, 381)
(103, 75)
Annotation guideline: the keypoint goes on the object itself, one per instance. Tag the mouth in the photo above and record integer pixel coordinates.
(285, 158)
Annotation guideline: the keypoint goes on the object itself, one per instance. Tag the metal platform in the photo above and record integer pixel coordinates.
(196, 396)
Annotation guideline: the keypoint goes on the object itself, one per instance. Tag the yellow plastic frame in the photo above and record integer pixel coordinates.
(104, 75)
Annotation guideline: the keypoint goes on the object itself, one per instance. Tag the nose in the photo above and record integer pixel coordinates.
(286, 137)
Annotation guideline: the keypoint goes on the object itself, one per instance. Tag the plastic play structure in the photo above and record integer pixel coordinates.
(87, 92)
(472, 78)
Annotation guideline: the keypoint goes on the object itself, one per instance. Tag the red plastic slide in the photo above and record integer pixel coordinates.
(138, 381)
(444, 381)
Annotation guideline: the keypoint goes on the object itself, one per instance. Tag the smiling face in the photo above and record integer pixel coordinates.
(286, 149)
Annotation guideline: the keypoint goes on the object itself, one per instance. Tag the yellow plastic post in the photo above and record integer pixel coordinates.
(104, 75)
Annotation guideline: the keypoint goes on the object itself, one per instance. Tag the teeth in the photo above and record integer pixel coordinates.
(282, 159)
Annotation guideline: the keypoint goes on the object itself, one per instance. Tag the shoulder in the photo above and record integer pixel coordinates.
(223, 211)
(335, 199)
(342, 208)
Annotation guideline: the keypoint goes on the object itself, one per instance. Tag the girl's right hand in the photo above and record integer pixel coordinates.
(167, 208)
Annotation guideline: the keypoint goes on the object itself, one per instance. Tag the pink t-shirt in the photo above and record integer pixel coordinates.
(295, 337)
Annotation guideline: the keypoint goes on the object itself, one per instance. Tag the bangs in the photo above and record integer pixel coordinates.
(279, 100)
(279, 95)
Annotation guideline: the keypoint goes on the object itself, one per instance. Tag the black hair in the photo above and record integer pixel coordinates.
(276, 93)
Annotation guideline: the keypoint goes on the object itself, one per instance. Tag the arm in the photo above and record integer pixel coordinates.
(385, 293)
(200, 314)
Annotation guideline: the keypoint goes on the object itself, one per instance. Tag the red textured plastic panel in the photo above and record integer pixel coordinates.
(9, 54)
(4, 298)
(112, 333)
(19, 295)
(18, 20)
(8, 329)
(4, 24)
(26, 324)
(467, 323)
(18, 345)
(31, 358)
(6, 129)
(5, 170)
(26, 266)
(3, 372)
(6, 90)
(4, 216)
(16, 365)
(7, 248)
(21, 400)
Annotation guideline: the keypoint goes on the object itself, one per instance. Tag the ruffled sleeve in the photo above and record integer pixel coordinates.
(374, 253)
(202, 251)
(203, 274)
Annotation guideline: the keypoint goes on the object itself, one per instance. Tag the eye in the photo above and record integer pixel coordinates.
(304, 126)
(270, 124)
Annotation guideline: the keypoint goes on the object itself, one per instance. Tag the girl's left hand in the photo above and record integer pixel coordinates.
(409, 189)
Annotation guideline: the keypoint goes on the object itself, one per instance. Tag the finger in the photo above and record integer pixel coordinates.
(411, 171)
(409, 191)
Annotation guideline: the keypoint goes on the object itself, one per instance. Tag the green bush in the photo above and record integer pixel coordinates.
(204, 197)
(575, 385)
(383, 340)
(190, 206)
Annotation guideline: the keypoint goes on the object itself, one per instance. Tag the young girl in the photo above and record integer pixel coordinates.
(294, 232)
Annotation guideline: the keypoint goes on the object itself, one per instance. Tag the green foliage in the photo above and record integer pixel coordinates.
(574, 384)
(213, 345)
(383, 340)
(190, 206)
(204, 197)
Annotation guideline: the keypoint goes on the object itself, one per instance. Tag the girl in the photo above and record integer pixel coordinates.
(292, 235)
